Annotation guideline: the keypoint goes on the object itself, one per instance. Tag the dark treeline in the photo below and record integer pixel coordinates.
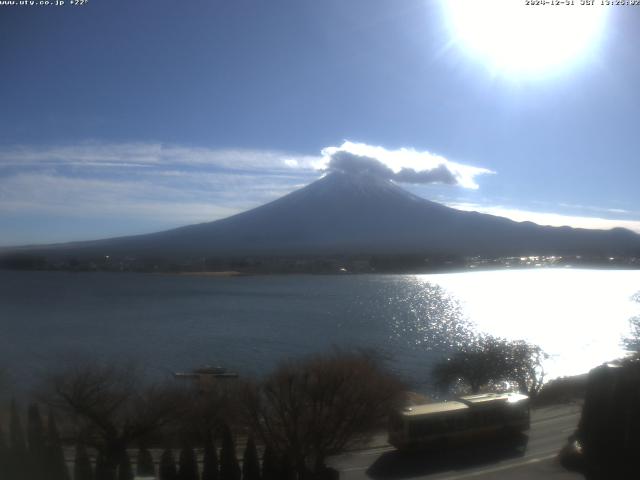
(41, 457)
(34, 452)
(423, 262)
(113, 425)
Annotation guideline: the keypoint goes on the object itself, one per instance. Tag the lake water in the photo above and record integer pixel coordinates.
(249, 324)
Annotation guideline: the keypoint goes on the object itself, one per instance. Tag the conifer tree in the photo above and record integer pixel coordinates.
(188, 464)
(82, 464)
(250, 462)
(168, 466)
(56, 465)
(103, 471)
(4, 456)
(18, 461)
(210, 468)
(37, 444)
(270, 470)
(145, 467)
(229, 467)
(125, 470)
(287, 469)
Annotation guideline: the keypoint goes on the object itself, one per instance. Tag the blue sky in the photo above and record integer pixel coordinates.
(125, 116)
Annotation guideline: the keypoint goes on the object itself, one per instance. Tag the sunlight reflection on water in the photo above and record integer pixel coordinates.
(428, 316)
(577, 316)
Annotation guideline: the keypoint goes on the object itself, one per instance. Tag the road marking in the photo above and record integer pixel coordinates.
(499, 469)
(370, 451)
(573, 417)
(476, 473)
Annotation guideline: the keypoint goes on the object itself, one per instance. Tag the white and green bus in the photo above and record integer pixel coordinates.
(459, 421)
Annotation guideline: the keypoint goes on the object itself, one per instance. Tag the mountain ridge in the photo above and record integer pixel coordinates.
(357, 214)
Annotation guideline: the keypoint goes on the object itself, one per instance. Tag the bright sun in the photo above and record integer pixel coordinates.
(513, 37)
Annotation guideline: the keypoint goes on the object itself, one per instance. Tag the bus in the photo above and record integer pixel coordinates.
(460, 421)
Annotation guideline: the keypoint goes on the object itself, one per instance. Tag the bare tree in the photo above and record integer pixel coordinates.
(111, 407)
(209, 410)
(495, 363)
(250, 461)
(125, 469)
(187, 464)
(229, 466)
(144, 463)
(270, 468)
(527, 366)
(632, 341)
(19, 466)
(210, 469)
(82, 469)
(37, 443)
(57, 467)
(311, 409)
(167, 469)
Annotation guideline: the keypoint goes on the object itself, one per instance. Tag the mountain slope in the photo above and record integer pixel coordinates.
(347, 214)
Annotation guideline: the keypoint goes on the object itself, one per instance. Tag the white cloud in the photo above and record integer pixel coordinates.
(158, 202)
(151, 186)
(150, 155)
(595, 209)
(408, 165)
(551, 219)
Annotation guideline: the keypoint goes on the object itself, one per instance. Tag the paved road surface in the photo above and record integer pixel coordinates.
(550, 428)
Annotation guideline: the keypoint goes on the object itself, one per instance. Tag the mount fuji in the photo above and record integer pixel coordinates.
(348, 213)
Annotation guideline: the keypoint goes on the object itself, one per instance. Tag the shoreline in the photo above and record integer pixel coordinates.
(263, 273)
(225, 273)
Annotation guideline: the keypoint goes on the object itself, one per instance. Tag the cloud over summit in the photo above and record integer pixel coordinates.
(404, 165)
(347, 162)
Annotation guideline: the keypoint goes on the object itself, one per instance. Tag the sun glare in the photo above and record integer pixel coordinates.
(529, 304)
(514, 37)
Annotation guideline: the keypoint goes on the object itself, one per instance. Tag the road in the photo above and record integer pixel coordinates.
(550, 427)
